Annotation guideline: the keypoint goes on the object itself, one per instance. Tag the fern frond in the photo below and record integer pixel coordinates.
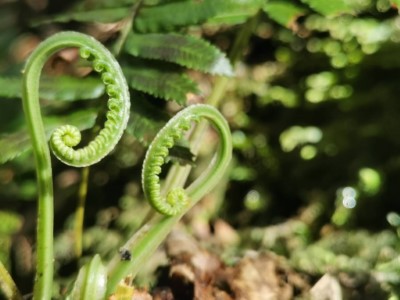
(146, 119)
(64, 88)
(68, 88)
(14, 144)
(236, 12)
(107, 15)
(160, 82)
(171, 15)
(184, 50)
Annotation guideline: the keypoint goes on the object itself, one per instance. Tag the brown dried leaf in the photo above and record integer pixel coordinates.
(194, 269)
(195, 273)
(264, 276)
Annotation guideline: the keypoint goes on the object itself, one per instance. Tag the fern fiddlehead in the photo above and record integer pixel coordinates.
(65, 138)
(177, 199)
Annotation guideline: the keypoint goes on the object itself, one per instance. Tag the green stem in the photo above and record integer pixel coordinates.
(127, 28)
(242, 39)
(64, 138)
(80, 211)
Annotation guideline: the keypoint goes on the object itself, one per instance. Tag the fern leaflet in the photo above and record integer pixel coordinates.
(161, 82)
(184, 50)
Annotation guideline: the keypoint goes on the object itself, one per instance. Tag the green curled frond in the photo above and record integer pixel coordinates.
(65, 138)
(156, 155)
(178, 199)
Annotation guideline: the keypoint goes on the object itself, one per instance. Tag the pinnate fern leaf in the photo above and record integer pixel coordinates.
(160, 82)
(236, 12)
(171, 15)
(185, 50)
(146, 119)
(64, 88)
(106, 15)
(14, 144)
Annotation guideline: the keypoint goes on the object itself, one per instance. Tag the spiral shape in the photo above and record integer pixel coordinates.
(117, 116)
(156, 155)
(64, 139)
(178, 199)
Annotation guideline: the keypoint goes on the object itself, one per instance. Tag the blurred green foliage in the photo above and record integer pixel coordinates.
(313, 108)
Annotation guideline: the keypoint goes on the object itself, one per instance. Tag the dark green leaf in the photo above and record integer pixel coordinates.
(171, 15)
(146, 119)
(182, 155)
(236, 12)
(71, 88)
(107, 15)
(284, 13)
(161, 82)
(330, 7)
(14, 144)
(185, 50)
(64, 88)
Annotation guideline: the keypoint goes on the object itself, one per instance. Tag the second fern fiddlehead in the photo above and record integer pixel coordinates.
(177, 199)
(65, 138)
